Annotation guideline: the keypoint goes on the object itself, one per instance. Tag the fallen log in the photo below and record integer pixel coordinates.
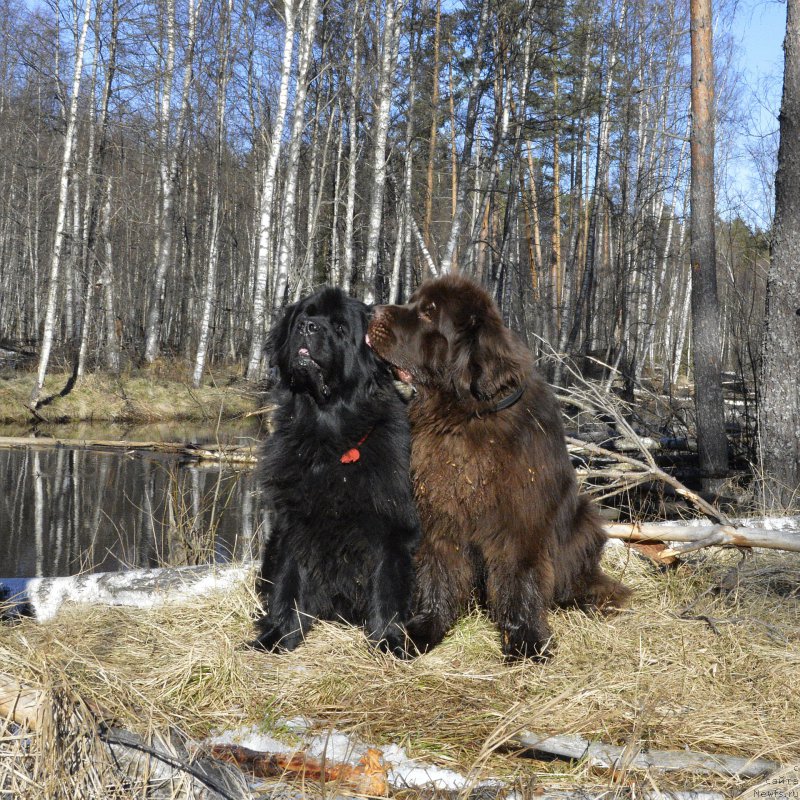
(19, 703)
(142, 588)
(614, 757)
(228, 453)
(698, 536)
(369, 776)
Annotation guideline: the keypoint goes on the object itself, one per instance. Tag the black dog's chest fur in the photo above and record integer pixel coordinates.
(363, 494)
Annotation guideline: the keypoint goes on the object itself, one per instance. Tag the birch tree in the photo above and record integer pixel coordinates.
(288, 222)
(61, 212)
(209, 292)
(353, 154)
(267, 199)
(380, 126)
(169, 155)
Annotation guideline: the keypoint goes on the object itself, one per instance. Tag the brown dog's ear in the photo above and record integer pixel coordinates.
(484, 362)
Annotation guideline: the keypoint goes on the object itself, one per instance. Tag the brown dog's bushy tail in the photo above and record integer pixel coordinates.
(604, 594)
(583, 582)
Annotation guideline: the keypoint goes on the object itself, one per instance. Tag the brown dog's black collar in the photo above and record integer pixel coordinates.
(506, 402)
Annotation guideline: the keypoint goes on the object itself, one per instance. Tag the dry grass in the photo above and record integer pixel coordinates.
(146, 395)
(722, 682)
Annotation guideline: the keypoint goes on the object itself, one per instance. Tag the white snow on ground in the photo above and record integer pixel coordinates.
(403, 772)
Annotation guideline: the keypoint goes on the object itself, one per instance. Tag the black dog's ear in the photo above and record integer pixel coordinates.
(278, 336)
(485, 363)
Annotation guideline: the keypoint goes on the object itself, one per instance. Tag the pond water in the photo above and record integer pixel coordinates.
(70, 510)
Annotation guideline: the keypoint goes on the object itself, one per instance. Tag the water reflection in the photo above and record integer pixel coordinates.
(67, 510)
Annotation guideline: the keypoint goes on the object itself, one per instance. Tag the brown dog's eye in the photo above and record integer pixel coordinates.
(426, 312)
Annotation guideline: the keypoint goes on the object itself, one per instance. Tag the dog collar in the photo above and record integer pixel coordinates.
(353, 454)
(506, 402)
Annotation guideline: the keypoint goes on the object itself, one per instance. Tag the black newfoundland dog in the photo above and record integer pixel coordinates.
(335, 471)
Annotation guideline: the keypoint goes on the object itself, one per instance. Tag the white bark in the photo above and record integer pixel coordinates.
(63, 197)
(389, 43)
(106, 278)
(469, 135)
(402, 239)
(337, 179)
(352, 159)
(168, 168)
(264, 258)
(209, 292)
(287, 246)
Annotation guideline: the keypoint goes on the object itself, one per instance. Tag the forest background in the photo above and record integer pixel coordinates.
(173, 172)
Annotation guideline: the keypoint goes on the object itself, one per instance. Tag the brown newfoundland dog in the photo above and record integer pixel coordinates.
(501, 516)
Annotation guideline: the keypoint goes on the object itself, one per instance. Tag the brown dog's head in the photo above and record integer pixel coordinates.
(450, 337)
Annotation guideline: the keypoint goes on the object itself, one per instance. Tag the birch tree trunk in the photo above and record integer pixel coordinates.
(209, 292)
(473, 103)
(402, 239)
(779, 407)
(287, 246)
(107, 281)
(336, 263)
(95, 189)
(389, 42)
(61, 212)
(426, 228)
(352, 156)
(264, 258)
(168, 168)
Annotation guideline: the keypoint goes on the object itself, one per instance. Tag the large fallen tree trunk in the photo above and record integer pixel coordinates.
(698, 536)
(142, 588)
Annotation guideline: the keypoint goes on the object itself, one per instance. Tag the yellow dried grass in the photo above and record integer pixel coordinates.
(723, 681)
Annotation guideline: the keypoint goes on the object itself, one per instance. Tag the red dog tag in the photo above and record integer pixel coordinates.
(350, 456)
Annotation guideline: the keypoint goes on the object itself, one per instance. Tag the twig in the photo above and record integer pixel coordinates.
(652, 469)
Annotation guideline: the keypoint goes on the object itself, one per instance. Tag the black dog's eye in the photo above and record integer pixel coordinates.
(341, 329)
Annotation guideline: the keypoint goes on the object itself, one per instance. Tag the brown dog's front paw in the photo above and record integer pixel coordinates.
(525, 643)
(424, 632)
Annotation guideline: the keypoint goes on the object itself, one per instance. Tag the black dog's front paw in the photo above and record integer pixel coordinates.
(275, 638)
(396, 642)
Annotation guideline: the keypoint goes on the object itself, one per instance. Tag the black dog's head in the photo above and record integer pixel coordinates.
(318, 346)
